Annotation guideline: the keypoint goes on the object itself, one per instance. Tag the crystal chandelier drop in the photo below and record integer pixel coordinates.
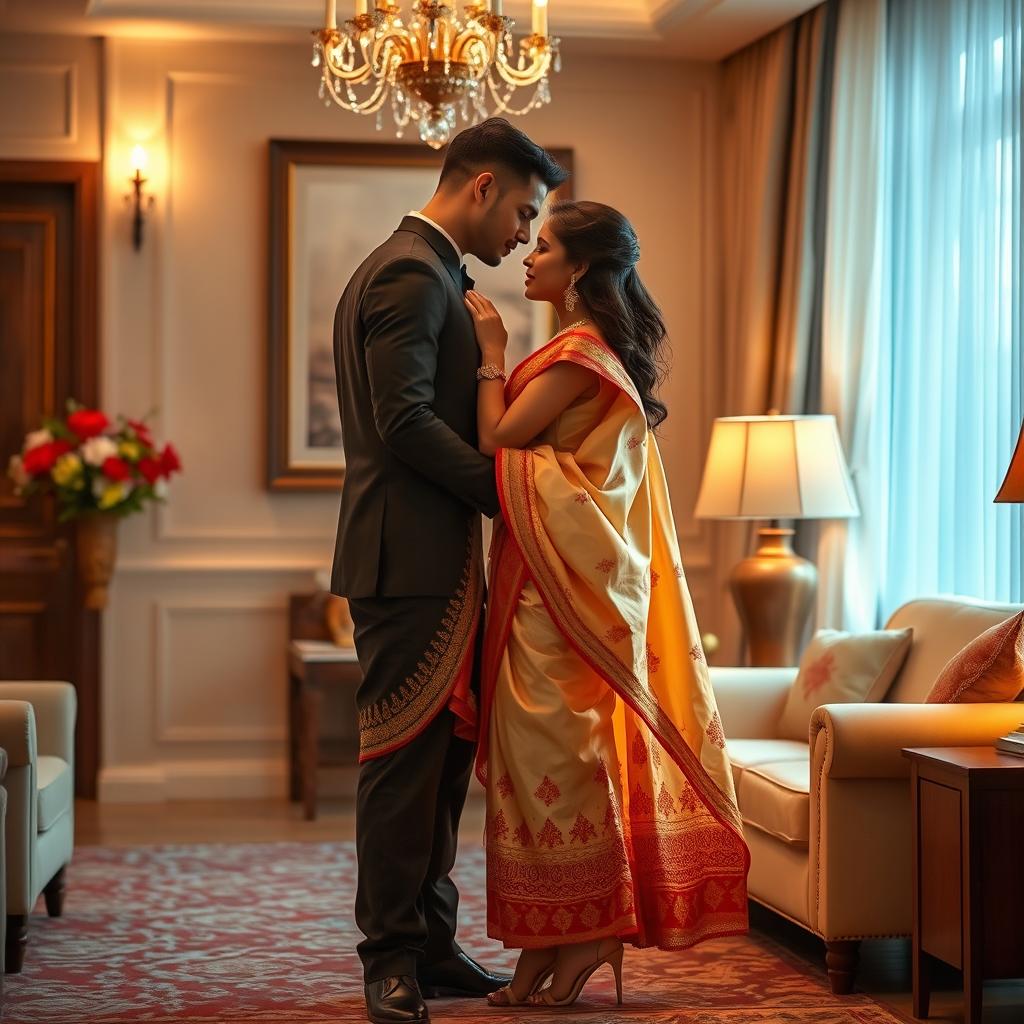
(435, 68)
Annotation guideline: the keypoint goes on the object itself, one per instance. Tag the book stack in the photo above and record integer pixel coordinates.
(1012, 743)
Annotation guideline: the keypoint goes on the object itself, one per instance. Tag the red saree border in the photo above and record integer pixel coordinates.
(393, 722)
(578, 347)
(505, 586)
(592, 650)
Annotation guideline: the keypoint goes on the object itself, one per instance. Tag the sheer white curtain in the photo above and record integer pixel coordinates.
(922, 357)
(951, 313)
(855, 384)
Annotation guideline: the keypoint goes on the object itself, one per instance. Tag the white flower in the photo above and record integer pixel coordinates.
(16, 471)
(160, 488)
(97, 450)
(37, 438)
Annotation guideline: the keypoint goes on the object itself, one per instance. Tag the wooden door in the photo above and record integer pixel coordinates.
(48, 280)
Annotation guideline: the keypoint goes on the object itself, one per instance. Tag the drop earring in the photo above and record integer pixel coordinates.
(571, 296)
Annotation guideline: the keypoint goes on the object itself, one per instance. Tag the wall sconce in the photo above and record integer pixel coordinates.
(136, 199)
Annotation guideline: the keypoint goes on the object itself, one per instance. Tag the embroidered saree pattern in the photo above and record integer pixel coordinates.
(611, 808)
(443, 675)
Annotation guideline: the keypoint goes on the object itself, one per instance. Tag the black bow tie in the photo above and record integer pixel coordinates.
(467, 281)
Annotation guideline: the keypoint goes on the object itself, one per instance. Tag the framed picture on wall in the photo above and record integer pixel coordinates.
(331, 204)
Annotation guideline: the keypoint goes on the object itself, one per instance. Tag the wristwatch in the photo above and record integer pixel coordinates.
(489, 371)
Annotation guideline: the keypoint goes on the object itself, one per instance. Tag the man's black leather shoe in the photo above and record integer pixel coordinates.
(395, 1001)
(459, 975)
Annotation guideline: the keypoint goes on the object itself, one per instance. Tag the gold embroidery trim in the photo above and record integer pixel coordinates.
(396, 719)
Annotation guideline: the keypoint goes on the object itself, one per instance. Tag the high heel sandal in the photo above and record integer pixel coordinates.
(504, 996)
(614, 959)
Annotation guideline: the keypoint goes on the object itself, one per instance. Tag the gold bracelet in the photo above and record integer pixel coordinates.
(490, 371)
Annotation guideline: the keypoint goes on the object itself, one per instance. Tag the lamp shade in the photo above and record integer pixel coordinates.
(1013, 485)
(776, 467)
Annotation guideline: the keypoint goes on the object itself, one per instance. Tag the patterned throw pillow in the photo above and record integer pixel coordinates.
(842, 668)
(989, 669)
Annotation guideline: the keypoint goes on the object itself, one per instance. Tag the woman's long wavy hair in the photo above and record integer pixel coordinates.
(613, 293)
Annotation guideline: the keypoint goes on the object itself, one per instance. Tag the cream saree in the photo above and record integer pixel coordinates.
(610, 802)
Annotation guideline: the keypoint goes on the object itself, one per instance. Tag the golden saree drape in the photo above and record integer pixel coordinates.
(611, 808)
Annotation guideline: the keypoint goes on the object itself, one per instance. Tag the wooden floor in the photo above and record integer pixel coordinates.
(885, 964)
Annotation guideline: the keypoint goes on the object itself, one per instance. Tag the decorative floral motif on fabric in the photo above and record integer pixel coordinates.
(547, 792)
(505, 786)
(653, 661)
(715, 732)
(550, 835)
(582, 831)
(605, 565)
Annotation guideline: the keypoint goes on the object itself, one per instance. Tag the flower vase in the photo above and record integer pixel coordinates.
(97, 552)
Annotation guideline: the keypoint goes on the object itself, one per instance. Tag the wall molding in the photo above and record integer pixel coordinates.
(69, 73)
(164, 612)
(241, 779)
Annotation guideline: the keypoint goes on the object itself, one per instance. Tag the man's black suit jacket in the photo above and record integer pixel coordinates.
(406, 357)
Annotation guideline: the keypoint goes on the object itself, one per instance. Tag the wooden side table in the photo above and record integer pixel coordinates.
(968, 807)
(316, 666)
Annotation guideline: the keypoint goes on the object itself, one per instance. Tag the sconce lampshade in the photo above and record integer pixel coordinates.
(776, 467)
(1013, 485)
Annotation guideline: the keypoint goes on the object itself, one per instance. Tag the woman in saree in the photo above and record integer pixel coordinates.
(611, 813)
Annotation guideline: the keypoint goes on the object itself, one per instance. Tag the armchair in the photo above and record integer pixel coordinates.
(37, 729)
(828, 821)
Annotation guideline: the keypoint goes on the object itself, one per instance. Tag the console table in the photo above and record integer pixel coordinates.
(316, 666)
(968, 838)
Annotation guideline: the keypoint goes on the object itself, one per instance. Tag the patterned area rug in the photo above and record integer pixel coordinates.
(263, 934)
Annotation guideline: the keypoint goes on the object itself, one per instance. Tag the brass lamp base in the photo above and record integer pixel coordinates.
(774, 591)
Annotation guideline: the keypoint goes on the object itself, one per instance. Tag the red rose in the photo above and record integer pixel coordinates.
(40, 460)
(116, 469)
(141, 432)
(88, 423)
(150, 469)
(169, 461)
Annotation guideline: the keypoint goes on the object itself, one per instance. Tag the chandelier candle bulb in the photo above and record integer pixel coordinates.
(540, 17)
(331, 14)
(362, 7)
(495, 7)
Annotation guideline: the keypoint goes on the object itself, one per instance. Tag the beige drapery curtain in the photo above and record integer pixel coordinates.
(776, 102)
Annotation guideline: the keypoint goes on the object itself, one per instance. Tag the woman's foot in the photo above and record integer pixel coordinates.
(573, 967)
(532, 970)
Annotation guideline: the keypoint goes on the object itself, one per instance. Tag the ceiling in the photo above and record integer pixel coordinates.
(693, 29)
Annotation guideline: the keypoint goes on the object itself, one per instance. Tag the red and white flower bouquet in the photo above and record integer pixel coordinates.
(94, 464)
(99, 470)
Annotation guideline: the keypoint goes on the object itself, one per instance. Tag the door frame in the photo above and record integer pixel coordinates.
(84, 177)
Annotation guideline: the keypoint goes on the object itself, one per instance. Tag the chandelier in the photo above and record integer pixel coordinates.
(435, 68)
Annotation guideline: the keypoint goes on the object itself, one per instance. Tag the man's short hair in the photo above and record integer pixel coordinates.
(494, 144)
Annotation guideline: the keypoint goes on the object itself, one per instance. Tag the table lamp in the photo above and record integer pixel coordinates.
(1012, 489)
(775, 467)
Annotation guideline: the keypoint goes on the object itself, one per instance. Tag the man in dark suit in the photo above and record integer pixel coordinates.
(408, 554)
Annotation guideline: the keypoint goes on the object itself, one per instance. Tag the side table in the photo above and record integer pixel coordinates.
(314, 666)
(968, 842)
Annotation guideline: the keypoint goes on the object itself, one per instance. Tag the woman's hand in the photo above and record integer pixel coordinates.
(491, 335)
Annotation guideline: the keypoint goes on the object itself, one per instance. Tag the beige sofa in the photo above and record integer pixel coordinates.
(37, 729)
(828, 821)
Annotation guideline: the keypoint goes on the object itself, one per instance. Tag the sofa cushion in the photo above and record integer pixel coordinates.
(55, 797)
(745, 754)
(776, 799)
(942, 627)
(989, 670)
(842, 668)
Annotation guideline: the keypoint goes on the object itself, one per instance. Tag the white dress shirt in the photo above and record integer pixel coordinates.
(436, 226)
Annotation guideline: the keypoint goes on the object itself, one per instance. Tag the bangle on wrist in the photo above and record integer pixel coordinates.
(490, 371)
